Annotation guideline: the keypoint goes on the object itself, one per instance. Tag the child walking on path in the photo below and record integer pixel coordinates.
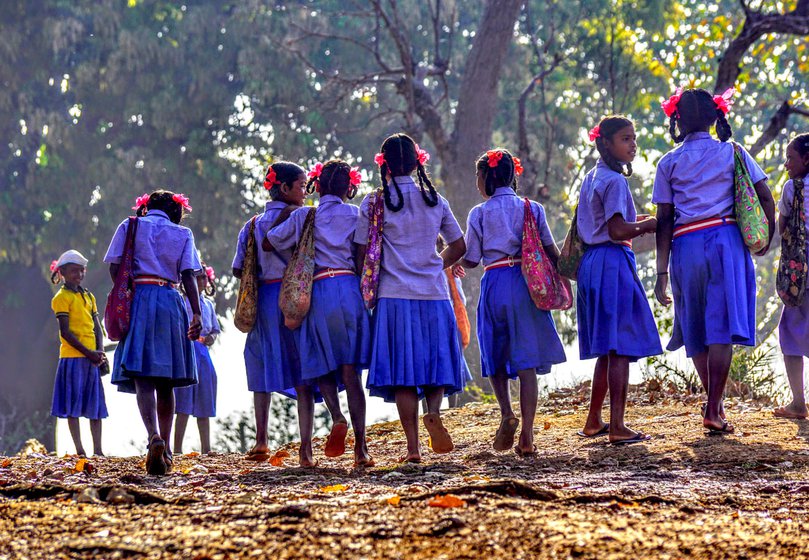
(713, 280)
(199, 400)
(615, 323)
(516, 339)
(415, 348)
(157, 354)
(77, 390)
(793, 330)
(335, 336)
(270, 352)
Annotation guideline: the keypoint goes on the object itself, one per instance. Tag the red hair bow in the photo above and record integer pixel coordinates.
(210, 274)
(183, 201)
(355, 176)
(670, 105)
(141, 201)
(422, 155)
(594, 133)
(315, 172)
(379, 159)
(270, 179)
(53, 266)
(725, 100)
(518, 169)
(494, 157)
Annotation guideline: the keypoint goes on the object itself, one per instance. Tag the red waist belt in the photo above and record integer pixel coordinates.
(155, 281)
(703, 224)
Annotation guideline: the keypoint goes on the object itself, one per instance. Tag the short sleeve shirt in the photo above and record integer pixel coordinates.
(162, 248)
(271, 264)
(80, 309)
(411, 267)
(494, 228)
(697, 178)
(604, 193)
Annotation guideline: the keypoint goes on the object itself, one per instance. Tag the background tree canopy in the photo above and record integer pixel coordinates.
(103, 100)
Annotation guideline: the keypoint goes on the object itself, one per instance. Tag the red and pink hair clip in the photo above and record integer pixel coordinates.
(210, 274)
(315, 172)
(183, 201)
(355, 176)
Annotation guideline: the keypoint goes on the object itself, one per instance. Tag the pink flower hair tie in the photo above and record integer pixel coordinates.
(142, 200)
(379, 159)
(725, 100)
(355, 176)
(670, 105)
(594, 133)
(54, 266)
(422, 155)
(210, 274)
(494, 157)
(270, 179)
(183, 201)
(315, 172)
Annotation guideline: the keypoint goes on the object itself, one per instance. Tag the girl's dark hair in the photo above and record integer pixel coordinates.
(607, 128)
(210, 287)
(399, 151)
(696, 111)
(335, 179)
(801, 143)
(501, 175)
(164, 201)
(55, 276)
(286, 173)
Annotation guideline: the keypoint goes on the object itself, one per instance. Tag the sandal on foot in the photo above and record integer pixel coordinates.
(406, 459)
(440, 440)
(726, 428)
(504, 438)
(637, 438)
(365, 463)
(602, 432)
(336, 442)
(154, 456)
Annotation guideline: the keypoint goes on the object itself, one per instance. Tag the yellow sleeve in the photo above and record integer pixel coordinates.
(93, 301)
(61, 303)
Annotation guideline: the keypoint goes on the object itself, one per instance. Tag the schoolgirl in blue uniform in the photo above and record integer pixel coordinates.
(712, 276)
(157, 354)
(199, 400)
(270, 352)
(516, 339)
(615, 323)
(415, 348)
(335, 336)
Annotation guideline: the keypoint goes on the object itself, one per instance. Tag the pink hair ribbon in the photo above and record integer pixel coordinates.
(183, 201)
(725, 100)
(141, 201)
(670, 105)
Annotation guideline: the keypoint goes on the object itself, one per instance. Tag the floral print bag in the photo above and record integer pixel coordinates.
(792, 268)
(547, 288)
(369, 284)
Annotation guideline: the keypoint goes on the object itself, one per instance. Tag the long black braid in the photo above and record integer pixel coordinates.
(400, 159)
(607, 128)
(697, 111)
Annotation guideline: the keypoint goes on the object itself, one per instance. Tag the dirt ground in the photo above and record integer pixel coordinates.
(682, 495)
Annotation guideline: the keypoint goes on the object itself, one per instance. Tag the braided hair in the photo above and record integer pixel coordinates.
(502, 174)
(400, 158)
(286, 173)
(607, 128)
(696, 111)
(164, 201)
(334, 179)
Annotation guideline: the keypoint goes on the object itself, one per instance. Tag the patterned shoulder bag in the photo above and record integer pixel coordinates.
(369, 284)
(119, 300)
(792, 268)
(547, 288)
(247, 302)
(296, 286)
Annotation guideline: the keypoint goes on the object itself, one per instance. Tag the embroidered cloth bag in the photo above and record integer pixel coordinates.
(792, 268)
(572, 250)
(369, 284)
(247, 301)
(461, 317)
(749, 215)
(119, 300)
(296, 285)
(547, 288)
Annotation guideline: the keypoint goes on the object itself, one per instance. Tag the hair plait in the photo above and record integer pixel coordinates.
(334, 179)
(697, 111)
(400, 159)
(503, 174)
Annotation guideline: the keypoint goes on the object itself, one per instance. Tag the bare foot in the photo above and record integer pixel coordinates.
(791, 411)
(306, 459)
(525, 445)
(504, 438)
(411, 457)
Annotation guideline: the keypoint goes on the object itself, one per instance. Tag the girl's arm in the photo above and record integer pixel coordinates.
(452, 252)
(468, 264)
(665, 231)
(621, 230)
(99, 332)
(768, 205)
(782, 225)
(237, 273)
(95, 357)
(190, 287)
(359, 258)
(553, 253)
(114, 270)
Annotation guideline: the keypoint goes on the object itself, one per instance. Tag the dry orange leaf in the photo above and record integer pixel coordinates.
(276, 461)
(282, 453)
(547, 425)
(446, 501)
(6, 463)
(334, 488)
(394, 500)
(80, 465)
(192, 454)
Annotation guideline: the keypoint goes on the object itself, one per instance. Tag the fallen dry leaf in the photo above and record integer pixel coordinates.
(334, 488)
(547, 425)
(394, 500)
(446, 501)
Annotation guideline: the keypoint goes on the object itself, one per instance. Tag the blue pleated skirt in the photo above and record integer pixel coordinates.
(415, 345)
(198, 400)
(612, 311)
(77, 390)
(337, 330)
(271, 352)
(713, 283)
(157, 345)
(512, 333)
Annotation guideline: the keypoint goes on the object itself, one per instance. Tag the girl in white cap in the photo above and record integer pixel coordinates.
(77, 391)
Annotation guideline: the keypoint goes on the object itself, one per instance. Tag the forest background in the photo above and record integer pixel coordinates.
(103, 100)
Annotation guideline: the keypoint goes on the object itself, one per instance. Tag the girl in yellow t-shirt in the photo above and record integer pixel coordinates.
(77, 391)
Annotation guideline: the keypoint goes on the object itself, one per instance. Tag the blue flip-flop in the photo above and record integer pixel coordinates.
(602, 432)
(637, 438)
